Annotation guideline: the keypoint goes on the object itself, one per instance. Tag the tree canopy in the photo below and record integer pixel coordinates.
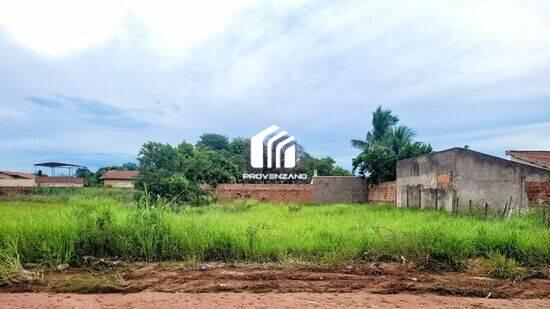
(384, 145)
(213, 141)
(177, 173)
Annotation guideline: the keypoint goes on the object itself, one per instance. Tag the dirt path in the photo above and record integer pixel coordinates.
(257, 300)
(174, 285)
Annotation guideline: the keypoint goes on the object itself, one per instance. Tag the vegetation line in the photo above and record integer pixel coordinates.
(54, 229)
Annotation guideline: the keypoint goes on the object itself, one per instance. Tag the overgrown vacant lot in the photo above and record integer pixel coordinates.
(65, 227)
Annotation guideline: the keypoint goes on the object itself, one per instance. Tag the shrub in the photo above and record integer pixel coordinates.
(502, 267)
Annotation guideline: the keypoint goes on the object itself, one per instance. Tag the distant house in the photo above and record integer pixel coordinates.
(16, 179)
(537, 158)
(119, 179)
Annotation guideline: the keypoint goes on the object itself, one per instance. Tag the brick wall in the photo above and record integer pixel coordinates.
(384, 192)
(445, 180)
(60, 182)
(278, 193)
(322, 190)
(69, 180)
(538, 192)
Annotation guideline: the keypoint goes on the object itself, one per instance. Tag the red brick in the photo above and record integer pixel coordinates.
(445, 180)
(383, 192)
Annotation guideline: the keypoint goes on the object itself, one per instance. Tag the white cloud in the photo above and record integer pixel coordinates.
(317, 67)
(177, 25)
(60, 27)
(521, 137)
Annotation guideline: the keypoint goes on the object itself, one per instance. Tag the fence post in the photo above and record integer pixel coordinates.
(544, 214)
(486, 210)
(456, 207)
(470, 206)
(453, 205)
(436, 194)
(505, 209)
(510, 205)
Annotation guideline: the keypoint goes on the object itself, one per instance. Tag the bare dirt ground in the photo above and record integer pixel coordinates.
(255, 300)
(171, 285)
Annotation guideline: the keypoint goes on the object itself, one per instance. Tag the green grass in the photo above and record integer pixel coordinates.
(98, 222)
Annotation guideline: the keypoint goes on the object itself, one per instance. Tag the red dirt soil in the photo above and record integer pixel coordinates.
(257, 300)
(171, 285)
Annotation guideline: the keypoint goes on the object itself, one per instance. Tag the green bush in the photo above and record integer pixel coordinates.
(502, 267)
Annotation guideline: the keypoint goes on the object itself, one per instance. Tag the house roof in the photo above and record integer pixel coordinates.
(537, 157)
(18, 174)
(56, 164)
(119, 175)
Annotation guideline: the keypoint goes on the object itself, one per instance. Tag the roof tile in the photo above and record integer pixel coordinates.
(119, 175)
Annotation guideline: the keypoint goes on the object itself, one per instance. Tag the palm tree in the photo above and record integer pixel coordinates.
(382, 122)
(384, 145)
(400, 136)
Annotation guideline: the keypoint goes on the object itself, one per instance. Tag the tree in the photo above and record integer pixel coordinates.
(239, 146)
(382, 123)
(161, 174)
(324, 166)
(384, 146)
(129, 166)
(212, 167)
(154, 155)
(213, 141)
(90, 178)
(176, 173)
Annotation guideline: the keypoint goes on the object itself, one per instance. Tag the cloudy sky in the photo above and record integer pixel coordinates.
(90, 82)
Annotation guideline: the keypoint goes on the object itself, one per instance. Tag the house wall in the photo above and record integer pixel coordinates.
(114, 183)
(459, 179)
(16, 182)
(498, 182)
(425, 181)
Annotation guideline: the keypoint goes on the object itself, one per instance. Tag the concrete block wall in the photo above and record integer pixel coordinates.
(426, 181)
(458, 178)
(339, 189)
(482, 178)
